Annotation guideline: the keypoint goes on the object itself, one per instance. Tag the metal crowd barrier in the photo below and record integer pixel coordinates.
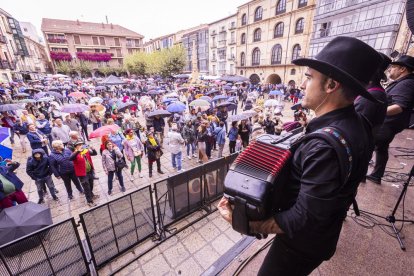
(114, 227)
(181, 194)
(54, 250)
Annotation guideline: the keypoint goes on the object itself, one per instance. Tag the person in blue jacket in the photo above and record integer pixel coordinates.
(37, 139)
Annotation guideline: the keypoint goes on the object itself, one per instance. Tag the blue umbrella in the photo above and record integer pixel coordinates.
(4, 133)
(40, 95)
(276, 93)
(5, 152)
(220, 97)
(207, 98)
(74, 108)
(176, 107)
(2, 90)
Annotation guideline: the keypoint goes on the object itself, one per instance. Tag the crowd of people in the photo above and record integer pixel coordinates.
(58, 139)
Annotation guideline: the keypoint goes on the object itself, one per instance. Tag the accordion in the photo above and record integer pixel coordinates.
(256, 178)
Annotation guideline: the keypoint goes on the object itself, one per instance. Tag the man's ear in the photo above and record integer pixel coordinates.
(332, 85)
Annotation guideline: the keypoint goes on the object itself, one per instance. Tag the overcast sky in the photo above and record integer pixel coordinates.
(151, 18)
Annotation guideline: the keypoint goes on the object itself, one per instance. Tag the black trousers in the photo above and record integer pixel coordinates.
(282, 261)
(150, 162)
(85, 132)
(87, 185)
(71, 177)
(383, 139)
(232, 146)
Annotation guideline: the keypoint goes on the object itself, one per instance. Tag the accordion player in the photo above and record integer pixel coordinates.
(256, 178)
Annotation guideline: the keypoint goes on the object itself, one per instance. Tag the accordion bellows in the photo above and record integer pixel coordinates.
(259, 173)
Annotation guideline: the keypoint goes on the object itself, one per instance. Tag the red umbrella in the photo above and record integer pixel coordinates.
(105, 130)
(78, 95)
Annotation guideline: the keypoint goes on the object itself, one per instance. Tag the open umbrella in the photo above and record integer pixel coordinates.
(172, 95)
(226, 104)
(55, 94)
(104, 130)
(271, 103)
(4, 133)
(5, 152)
(26, 101)
(9, 107)
(219, 97)
(74, 108)
(78, 95)
(249, 113)
(40, 95)
(124, 106)
(22, 95)
(237, 117)
(276, 93)
(159, 112)
(153, 92)
(206, 98)
(176, 107)
(169, 100)
(136, 92)
(95, 100)
(200, 103)
(45, 99)
(23, 219)
(100, 87)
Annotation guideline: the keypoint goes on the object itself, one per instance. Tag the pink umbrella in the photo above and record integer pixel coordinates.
(105, 130)
(78, 95)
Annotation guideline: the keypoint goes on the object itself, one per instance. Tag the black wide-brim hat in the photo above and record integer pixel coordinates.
(347, 60)
(406, 61)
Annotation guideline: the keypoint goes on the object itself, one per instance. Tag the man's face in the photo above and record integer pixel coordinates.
(41, 116)
(313, 88)
(58, 122)
(32, 128)
(395, 71)
(37, 155)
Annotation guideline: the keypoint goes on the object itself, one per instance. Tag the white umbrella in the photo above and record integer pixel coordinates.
(271, 103)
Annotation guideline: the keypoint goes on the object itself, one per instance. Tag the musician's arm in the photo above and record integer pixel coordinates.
(268, 226)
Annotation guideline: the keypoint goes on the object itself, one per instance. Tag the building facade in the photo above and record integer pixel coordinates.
(102, 45)
(29, 30)
(195, 42)
(159, 43)
(37, 63)
(222, 46)
(374, 22)
(270, 34)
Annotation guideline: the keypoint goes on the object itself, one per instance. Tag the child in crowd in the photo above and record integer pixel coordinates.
(239, 143)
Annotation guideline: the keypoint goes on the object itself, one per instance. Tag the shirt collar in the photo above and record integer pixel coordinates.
(328, 118)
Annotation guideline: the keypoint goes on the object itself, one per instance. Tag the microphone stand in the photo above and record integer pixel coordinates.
(391, 218)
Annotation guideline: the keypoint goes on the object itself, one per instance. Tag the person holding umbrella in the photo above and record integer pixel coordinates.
(159, 125)
(110, 155)
(133, 149)
(189, 136)
(154, 152)
(84, 169)
(83, 121)
(21, 130)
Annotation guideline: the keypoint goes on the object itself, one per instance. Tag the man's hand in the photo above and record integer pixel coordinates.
(225, 210)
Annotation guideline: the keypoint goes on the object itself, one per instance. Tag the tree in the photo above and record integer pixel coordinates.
(137, 63)
(173, 61)
(63, 67)
(106, 70)
(165, 62)
(84, 67)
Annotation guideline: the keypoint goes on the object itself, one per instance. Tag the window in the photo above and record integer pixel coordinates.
(281, 7)
(278, 32)
(102, 40)
(292, 71)
(296, 51)
(257, 35)
(116, 39)
(256, 57)
(258, 13)
(95, 40)
(118, 53)
(244, 19)
(243, 38)
(302, 3)
(76, 38)
(299, 25)
(242, 59)
(276, 57)
(325, 28)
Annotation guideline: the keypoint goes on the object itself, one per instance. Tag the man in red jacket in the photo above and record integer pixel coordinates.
(83, 165)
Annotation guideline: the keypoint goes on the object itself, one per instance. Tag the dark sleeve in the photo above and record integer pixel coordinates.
(73, 156)
(13, 166)
(92, 152)
(53, 166)
(29, 170)
(317, 200)
(403, 94)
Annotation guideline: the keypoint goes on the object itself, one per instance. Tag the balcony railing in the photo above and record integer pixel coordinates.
(232, 26)
(59, 40)
(232, 42)
(132, 45)
(214, 45)
(222, 43)
(3, 39)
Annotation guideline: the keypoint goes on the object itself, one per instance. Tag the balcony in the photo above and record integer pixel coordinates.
(213, 59)
(214, 45)
(18, 52)
(222, 43)
(213, 33)
(232, 26)
(132, 45)
(232, 57)
(91, 56)
(57, 40)
(232, 42)
(3, 39)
